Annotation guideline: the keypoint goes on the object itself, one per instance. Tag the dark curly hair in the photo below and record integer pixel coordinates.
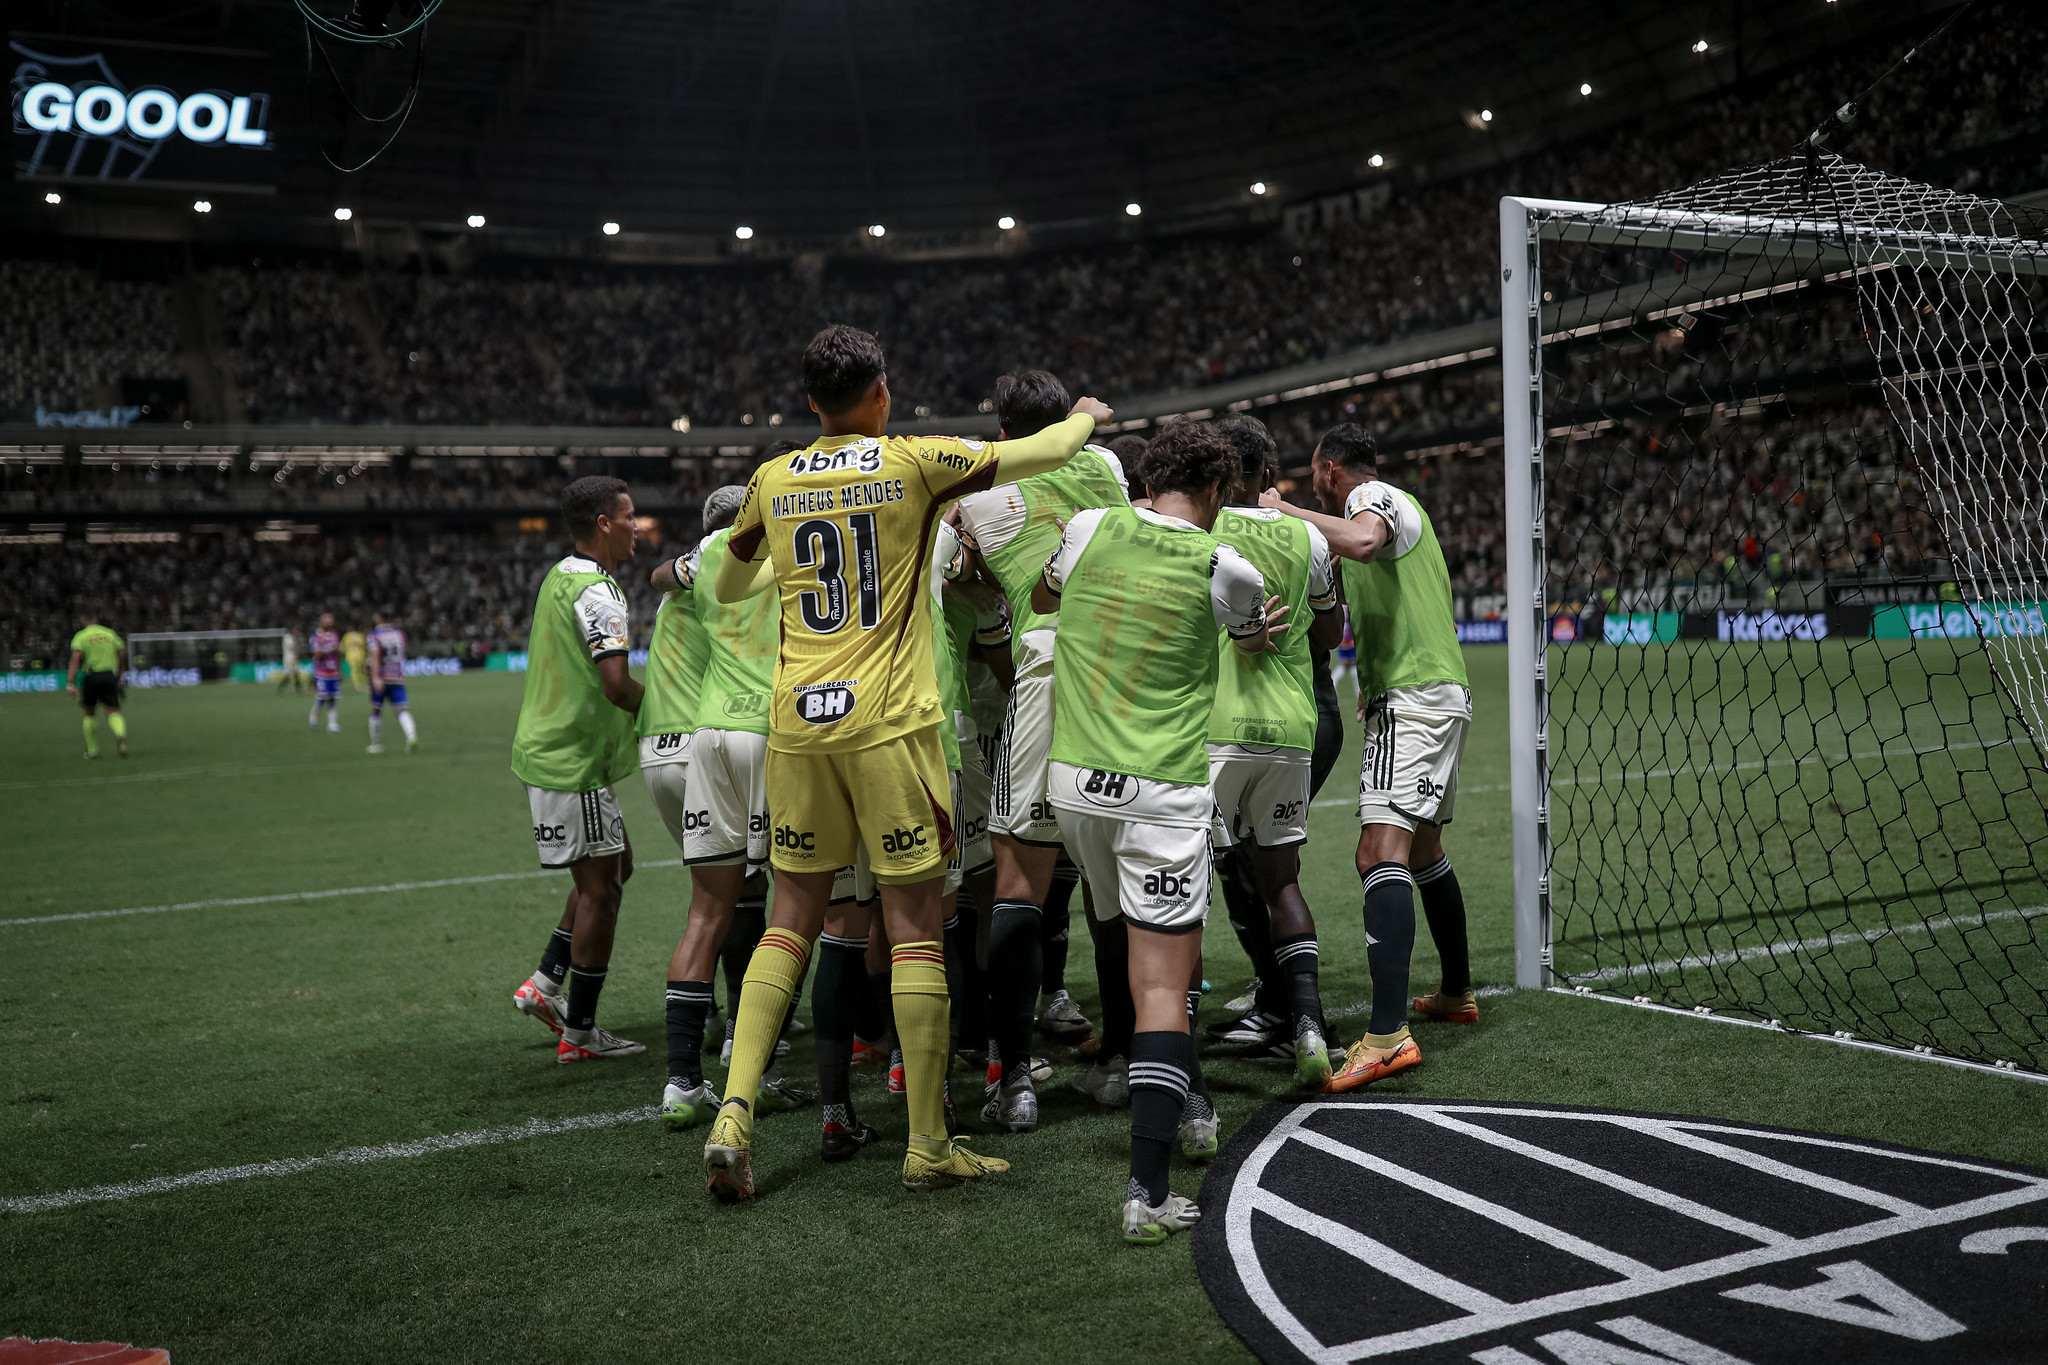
(587, 499)
(1256, 452)
(1189, 457)
(1351, 446)
(840, 365)
(1029, 401)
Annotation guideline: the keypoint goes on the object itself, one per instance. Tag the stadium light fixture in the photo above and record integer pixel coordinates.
(1006, 222)
(52, 197)
(1700, 46)
(343, 215)
(1258, 187)
(1486, 115)
(476, 220)
(202, 206)
(1375, 161)
(611, 229)
(1133, 209)
(1585, 87)
(877, 230)
(744, 233)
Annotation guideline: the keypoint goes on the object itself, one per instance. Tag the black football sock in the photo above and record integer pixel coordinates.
(749, 922)
(1252, 924)
(1053, 929)
(1113, 979)
(585, 983)
(1443, 905)
(871, 1019)
(554, 959)
(1197, 1086)
(688, 1004)
(842, 978)
(1162, 1069)
(1300, 961)
(965, 980)
(1014, 954)
(1389, 943)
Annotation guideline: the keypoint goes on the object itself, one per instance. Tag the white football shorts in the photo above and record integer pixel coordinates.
(727, 820)
(1261, 795)
(571, 826)
(1408, 766)
(1020, 779)
(668, 788)
(1142, 844)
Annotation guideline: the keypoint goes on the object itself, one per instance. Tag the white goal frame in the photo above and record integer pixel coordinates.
(1527, 322)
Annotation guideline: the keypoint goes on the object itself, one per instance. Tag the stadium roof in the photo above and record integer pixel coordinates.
(812, 119)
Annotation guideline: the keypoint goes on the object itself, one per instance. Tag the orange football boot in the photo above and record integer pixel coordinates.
(1448, 1009)
(1368, 1060)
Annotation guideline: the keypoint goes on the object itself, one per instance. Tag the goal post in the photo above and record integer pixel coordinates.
(1776, 563)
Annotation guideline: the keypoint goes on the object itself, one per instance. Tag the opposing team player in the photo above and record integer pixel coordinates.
(1141, 593)
(325, 647)
(1416, 707)
(1263, 732)
(387, 682)
(854, 760)
(99, 660)
(575, 739)
(1014, 529)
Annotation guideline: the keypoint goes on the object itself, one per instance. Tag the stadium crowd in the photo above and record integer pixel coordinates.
(581, 345)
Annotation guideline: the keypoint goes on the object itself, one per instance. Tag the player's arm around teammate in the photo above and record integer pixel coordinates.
(1142, 594)
(1417, 709)
(574, 741)
(854, 756)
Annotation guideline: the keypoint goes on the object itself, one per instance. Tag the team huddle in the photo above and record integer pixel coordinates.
(932, 684)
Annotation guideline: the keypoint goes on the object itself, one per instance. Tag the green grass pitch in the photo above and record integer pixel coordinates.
(158, 1045)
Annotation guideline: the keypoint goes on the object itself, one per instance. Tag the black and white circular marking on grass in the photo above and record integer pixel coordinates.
(1349, 1228)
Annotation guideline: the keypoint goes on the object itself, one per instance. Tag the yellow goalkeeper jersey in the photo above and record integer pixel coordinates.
(848, 523)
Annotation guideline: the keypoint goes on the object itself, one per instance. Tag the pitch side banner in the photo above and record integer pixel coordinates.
(141, 113)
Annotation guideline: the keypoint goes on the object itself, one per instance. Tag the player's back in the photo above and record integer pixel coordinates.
(741, 642)
(99, 647)
(1401, 600)
(848, 523)
(1269, 698)
(1017, 525)
(389, 642)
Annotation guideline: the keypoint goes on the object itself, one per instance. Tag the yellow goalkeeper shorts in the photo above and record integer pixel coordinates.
(894, 797)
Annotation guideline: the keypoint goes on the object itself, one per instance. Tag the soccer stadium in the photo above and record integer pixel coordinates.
(894, 526)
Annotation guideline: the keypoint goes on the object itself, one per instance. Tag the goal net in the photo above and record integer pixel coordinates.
(1778, 566)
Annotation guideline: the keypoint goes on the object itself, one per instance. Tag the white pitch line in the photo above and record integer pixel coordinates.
(346, 1156)
(1747, 765)
(1804, 945)
(329, 894)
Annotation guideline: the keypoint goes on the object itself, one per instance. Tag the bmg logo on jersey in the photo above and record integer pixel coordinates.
(797, 841)
(825, 703)
(904, 841)
(1106, 788)
(865, 456)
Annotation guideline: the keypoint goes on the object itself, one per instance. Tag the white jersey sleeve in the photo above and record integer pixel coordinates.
(1322, 572)
(1395, 508)
(1237, 593)
(1074, 540)
(601, 611)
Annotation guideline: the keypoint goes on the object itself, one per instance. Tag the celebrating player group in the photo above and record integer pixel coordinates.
(915, 680)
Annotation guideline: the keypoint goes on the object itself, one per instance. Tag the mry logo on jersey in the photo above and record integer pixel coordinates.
(824, 703)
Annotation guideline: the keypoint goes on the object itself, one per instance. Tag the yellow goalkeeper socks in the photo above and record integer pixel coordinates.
(118, 724)
(917, 987)
(92, 736)
(774, 973)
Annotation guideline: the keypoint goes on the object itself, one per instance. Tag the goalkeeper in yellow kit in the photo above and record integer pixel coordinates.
(843, 530)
